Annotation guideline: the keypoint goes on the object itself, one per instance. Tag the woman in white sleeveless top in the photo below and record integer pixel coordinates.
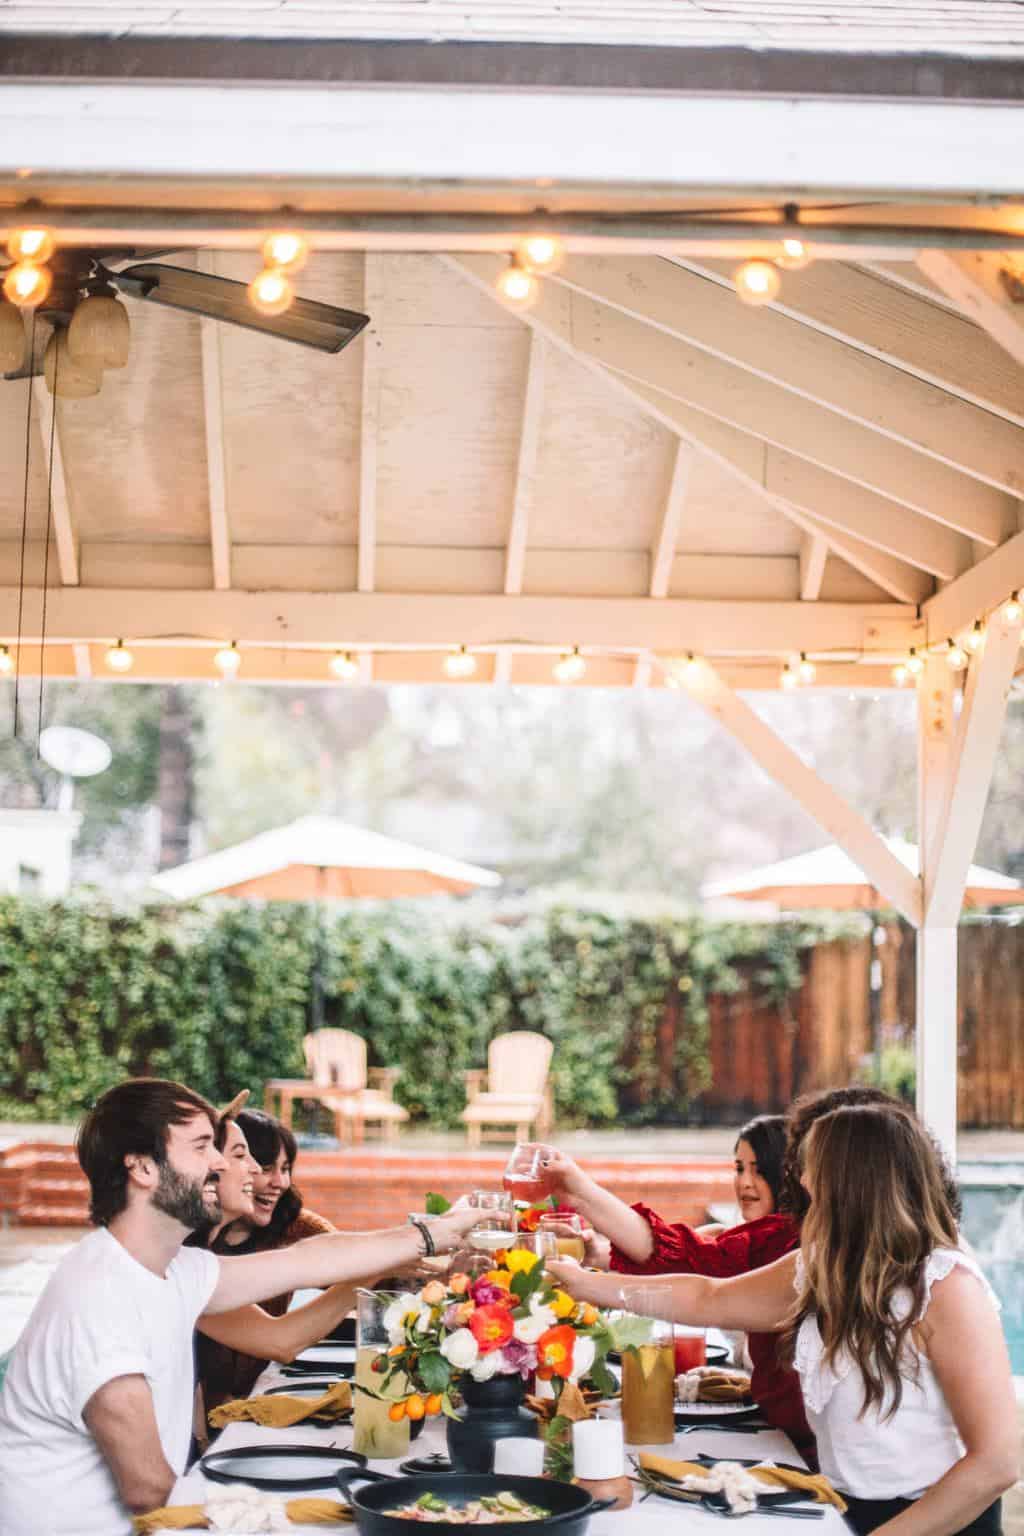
(894, 1331)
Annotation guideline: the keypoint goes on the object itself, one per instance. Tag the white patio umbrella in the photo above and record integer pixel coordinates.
(829, 878)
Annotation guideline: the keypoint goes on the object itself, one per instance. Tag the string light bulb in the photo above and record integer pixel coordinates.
(270, 292)
(1013, 608)
(27, 284)
(6, 660)
(344, 665)
(794, 255)
(30, 245)
(955, 655)
(286, 251)
(806, 671)
(976, 639)
(460, 663)
(542, 253)
(691, 667)
(915, 664)
(517, 285)
(228, 659)
(119, 658)
(757, 282)
(900, 674)
(570, 667)
(789, 678)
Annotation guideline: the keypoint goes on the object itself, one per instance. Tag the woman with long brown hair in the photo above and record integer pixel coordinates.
(893, 1330)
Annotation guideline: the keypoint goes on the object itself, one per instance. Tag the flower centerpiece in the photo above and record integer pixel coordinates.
(504, 1327)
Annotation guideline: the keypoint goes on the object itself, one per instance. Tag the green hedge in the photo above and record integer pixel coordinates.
(221, 999)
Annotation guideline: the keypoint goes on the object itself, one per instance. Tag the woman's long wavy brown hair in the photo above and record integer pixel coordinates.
(879, 1206)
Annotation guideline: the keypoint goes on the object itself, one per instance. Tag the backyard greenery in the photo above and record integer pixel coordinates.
(221, 999)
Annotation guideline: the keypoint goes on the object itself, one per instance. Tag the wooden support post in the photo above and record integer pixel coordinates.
(936, 1010)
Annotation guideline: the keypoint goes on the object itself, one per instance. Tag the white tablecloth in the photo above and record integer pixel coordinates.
(655, 1517)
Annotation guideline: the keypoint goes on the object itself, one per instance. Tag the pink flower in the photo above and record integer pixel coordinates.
(520, 1357)
(487, 1294)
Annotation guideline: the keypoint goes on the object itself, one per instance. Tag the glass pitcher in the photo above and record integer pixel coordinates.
(374, 1432)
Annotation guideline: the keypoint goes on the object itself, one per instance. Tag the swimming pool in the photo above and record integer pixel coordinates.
(993, 1224)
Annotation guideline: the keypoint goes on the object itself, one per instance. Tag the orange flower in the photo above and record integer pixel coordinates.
(501, 1277)
(491, 1326)
(554, 1352)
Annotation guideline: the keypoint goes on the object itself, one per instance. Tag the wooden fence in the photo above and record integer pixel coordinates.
(762, 1058)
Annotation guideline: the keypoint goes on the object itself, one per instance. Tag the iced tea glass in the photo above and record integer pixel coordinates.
(648, 1372)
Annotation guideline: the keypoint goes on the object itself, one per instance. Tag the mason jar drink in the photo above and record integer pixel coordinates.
(374, 1432)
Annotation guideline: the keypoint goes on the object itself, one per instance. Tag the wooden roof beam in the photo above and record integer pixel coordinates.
(216, 463)
(857, 387)
(813, 555)
(989, 288)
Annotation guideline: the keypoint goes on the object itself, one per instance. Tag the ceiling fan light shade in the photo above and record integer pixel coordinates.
(65, 375)
(99, 334)
(12, 339)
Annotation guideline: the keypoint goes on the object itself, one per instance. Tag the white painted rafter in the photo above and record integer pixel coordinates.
(64, 536)
(664, 550)
(801, 362)
(977, 592)
(832, 813)
(216, 463)
(813, 556)
(372, 356)
(988, 287)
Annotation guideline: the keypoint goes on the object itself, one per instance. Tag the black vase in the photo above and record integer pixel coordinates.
(491, 1410)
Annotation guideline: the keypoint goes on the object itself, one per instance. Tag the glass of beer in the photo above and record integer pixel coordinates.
(648, 1372)
(567, 1229)
(374, 1433)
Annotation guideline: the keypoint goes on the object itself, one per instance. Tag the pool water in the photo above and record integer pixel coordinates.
(993, 1224)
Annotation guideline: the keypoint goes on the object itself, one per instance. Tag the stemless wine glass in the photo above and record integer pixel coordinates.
(544, 1244)
(567, 1229)
(525, 1177)
(496, 1207)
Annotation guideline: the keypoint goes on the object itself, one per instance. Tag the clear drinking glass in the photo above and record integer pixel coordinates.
(544, 1244)
(374, 1433)
(648, 1372)
(524, 1177)
(497, 1209)
(567, 1230)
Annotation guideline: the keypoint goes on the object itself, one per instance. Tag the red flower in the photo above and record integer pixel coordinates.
(554, 1352)
(491, 1326)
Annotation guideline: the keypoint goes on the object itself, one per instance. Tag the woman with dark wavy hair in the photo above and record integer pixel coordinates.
(893, 1330)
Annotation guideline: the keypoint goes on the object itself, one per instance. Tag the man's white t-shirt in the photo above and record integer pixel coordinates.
(102, 1315)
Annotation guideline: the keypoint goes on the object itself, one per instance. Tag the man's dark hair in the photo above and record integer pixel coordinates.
(133, 1118)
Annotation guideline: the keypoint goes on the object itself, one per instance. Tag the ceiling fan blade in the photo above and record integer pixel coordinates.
(307, 322)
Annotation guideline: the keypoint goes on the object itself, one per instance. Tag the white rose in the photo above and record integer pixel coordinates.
(487, 1366)
(583, 1354)
(395, 1315)
(460, 1349)
(529, 1329)
(539, 1308)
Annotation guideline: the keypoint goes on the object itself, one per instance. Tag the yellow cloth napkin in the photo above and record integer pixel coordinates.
(281, 1411)
(774, 1477)
(185, 1517)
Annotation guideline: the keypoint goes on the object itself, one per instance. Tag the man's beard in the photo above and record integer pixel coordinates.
(182, 1198)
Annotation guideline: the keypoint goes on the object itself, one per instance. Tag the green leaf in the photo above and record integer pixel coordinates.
(603, 1379)
(527, 1281)
(629, 1332)
(436, 1205)
(434, 1372)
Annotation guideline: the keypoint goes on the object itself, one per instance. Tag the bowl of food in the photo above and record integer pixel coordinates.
(450, 1501)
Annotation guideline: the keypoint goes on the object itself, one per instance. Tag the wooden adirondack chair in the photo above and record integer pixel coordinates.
(339, 1078)
(518, 1092)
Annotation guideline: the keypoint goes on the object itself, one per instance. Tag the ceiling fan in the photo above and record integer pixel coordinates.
(91, 328)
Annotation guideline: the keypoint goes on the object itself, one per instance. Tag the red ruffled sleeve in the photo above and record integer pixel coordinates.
(679, 1250)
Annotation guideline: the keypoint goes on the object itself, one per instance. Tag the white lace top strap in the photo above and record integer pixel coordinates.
(818, 1380)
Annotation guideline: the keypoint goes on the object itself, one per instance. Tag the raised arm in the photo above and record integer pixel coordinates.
(965, 1343)
(121, 1419)
(252, 1331)
(605, 1212)
(760, 1302)
(337, 1257)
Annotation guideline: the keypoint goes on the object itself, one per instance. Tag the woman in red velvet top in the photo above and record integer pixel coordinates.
(768, 1192)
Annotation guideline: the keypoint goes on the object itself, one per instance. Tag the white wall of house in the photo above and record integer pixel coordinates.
(35, 851)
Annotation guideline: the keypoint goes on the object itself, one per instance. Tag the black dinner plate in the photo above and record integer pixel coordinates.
(714, 1354)
(716, 1415)
(311, 1389)
(324, 1360)
(279, 1468)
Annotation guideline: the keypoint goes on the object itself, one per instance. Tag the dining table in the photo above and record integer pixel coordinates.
(653, 1516)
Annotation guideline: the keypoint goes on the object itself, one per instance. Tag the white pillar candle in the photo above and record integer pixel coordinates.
(543, 1389)
(519, 1457)
(597, 1449)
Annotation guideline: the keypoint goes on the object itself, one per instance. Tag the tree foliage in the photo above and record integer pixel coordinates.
(221, 998)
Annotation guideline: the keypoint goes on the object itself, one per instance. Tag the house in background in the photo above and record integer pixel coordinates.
(35, 852)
